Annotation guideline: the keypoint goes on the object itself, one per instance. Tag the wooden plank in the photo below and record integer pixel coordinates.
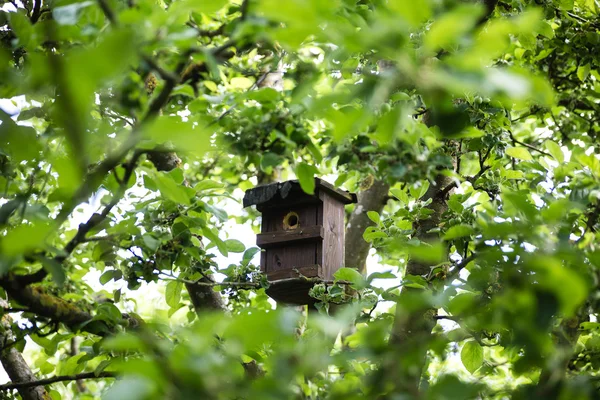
(290, 255)
(310, 271)
(273, 218)
(340, 195)
(334, 228)
(319, 248)
(270, 239)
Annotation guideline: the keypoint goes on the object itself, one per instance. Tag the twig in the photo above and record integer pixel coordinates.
(563, 134)
(592, 219)
(14, 310)
(458, 267)
(442, 193)
(37, 11)
(512, 137)
(255, 284)
(108, 12)
(86, 227)
(98, 238)
(54, 379)
(164, 74)
(448, 317)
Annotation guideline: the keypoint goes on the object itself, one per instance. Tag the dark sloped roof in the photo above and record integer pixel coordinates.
(281, 190)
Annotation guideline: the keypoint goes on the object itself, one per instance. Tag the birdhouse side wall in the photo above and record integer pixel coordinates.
(333, 239)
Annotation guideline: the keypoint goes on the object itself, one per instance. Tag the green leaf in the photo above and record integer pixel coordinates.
(22, 28)
(214, 238)
(171, 190)
(241, 83)
(400, 195)
(7, 209)
(519, 152)
(583, 71)
(206, 185)
(24, 238)
(151, 242)
(432, 253)
(306, 176)
(351, 275)
(184, 136)
(458, 231)
(448, 29)
(555, 150)
(545, 29)
(566, 4)
(565, 283)
(249, 253)
(415, 13)
(217, 212)
(131, 388)
(269, 160)
(207, 6)
(55, 269)
(69, 14)
(374, 216)
(235, 246)
(173, 293)
(471, 356)
(107, 276)
(419, 189)
(381, 275)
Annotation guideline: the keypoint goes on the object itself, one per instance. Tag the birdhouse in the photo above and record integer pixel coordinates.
(302, 235)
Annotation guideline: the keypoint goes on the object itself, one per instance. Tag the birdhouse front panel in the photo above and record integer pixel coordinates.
(302, 235)
(292, 239)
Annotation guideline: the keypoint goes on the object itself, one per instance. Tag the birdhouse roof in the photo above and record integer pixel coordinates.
(282, 191)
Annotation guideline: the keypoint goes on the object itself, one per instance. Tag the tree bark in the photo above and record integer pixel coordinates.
(356, 248)
(414, 320)
(13, 362)
(204, 298)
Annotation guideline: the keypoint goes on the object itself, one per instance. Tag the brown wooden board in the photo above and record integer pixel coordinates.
(309, 271)
(293, 292)
(291, 256)
(272, 219)
(277, 238)
(333, 241)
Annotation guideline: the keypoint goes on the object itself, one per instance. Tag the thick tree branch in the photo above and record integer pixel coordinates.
(86, 227)
(14, 364)
(356, 248)
(54, 379)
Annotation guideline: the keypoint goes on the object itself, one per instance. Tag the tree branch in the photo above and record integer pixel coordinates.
(512, 137)
(357, 249)
(459, 267)
(13, 362)
(108, 12)
(54, 379)
(86, 227)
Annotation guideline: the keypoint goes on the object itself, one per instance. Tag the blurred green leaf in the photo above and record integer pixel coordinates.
(471, 356)
(306, 176)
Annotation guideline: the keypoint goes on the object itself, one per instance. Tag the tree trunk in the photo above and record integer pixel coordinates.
(13, 362)
(414, 319)
(356, 248)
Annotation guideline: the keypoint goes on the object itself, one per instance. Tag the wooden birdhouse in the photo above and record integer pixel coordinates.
(302, 235)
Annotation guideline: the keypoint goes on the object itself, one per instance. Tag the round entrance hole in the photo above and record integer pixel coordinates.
(291, 221)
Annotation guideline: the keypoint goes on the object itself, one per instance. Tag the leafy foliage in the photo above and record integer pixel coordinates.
(130, 129)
